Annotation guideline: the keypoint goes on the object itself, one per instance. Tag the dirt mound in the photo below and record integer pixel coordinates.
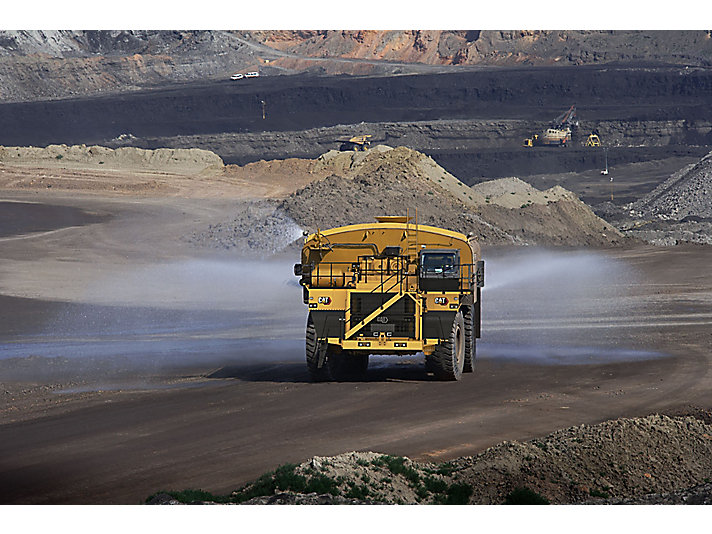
(177, 161)
(514, 193)
(395, 180)
(622, 460)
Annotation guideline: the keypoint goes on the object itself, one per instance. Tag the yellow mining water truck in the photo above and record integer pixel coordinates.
(390, 287)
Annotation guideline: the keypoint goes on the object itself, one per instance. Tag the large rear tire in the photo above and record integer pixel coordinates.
(449, 356)
(470, 339)
(314, 351)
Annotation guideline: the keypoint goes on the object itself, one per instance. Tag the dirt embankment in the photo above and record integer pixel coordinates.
(638, 460)
(184, 172)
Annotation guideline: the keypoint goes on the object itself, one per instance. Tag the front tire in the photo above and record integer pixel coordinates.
(449, 356)
(470, 340)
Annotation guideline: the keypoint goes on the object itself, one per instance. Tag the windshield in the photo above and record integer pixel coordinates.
(443, 263)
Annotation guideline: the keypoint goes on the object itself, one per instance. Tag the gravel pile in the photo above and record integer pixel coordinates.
(394, 181)
(258, 228)
(677, 211)
(687, 193)
(514, 193)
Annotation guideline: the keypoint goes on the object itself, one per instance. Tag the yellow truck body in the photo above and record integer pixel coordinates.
(390, 287)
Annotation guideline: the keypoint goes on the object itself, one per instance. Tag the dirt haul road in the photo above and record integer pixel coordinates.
(133, 363)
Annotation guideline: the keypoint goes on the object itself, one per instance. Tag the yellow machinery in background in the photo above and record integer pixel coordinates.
(559, 133)
(390, 287)
(359, 142)
(593, 140)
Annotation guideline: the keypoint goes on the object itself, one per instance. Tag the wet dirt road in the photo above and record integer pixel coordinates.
(132, 364)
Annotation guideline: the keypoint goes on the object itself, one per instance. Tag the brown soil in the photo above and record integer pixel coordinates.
(400, 180)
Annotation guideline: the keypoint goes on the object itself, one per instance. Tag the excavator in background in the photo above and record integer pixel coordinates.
(559, 133)
(359, 142)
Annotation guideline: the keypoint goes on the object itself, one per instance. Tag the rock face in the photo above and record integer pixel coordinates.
(468, 47)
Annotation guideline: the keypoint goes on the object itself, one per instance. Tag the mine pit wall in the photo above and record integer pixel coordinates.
(472, 150)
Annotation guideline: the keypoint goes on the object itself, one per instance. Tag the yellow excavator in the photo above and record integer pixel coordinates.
(356, 143)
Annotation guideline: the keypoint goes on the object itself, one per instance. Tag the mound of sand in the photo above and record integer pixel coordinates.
(392, 181)
(515, 193)
(403, 160)
(173, 160)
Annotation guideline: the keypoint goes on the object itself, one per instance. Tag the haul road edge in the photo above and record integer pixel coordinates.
(390, 287)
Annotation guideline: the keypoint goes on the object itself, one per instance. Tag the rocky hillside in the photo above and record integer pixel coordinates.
(38, 65)
(476, 47)
(625, 460)
(45, 64)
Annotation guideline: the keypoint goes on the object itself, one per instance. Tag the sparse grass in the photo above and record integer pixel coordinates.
(434, 485)
(455, 494)
(525, 496)
(396, 465)
(594, 492)
(322, 484)
(264, 485)
(358, 491)
(445, 469)
(421, 492)
(285, 479)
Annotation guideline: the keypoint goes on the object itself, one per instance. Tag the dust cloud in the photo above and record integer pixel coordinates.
(559, 307)
(189, 313)
(539, 306)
